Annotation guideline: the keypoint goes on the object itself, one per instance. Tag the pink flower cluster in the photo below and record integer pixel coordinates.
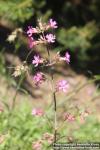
(37, 145)
(82, 116)
(37, 112)
(31, 42)
(38, 78)
(48, 137)
(69, 117)
(31, 31)
(50, 38)
(53, 24)
(40, 29)
(62, 85)
(37, 60)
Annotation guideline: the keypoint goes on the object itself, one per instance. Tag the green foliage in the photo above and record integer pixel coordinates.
(20, 128)
(89, 131)
(14, 10)
(20, 10)
(97, 77)
(78, 37)
(2, 64)
(79, 21)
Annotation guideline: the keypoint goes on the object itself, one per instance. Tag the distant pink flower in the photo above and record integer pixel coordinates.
(62, 85)
(69, 117)
(37, 112)
(83, 116)
(37, 60)
(37, 145)
(31, 42)
(31, 30)
(90, 91)
(1, 109)
(50, 38)
(52, 23)
(48, 137)
(65, 58)
(38, 78)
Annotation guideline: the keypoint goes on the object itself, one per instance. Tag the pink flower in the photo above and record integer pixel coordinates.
(66, 58)
(31, 30)
(38, 78)
(31, 42)
(50, 38)
(62, 86)
(37, 60)
(37, 112)
(53, 24)
(49, 137)
(37, 145)
(69, 117)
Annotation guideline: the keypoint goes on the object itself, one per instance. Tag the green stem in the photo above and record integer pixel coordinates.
(55, 118)
(54, 100)
(18, 87)
(49, 121)
(19, 84)
(28, 54)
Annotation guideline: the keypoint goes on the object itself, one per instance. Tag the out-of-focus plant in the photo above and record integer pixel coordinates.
(78, 38)
(2, 64)
(23, 128)
(19, 11)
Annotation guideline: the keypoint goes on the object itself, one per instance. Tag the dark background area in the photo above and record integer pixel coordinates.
(78, 21)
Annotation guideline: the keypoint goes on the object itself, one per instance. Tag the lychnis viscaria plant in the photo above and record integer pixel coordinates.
(44, 35)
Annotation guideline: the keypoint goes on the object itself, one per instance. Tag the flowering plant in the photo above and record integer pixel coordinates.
(46, 37)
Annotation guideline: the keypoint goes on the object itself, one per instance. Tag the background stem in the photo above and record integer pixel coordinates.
(18, 87)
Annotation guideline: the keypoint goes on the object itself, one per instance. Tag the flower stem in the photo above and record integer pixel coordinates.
(55, 118)
(54, 98)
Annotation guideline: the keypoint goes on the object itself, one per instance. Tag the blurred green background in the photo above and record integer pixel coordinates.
(78, 21)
